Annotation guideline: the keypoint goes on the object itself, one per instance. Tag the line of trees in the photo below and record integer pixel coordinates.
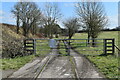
(29, 16)
(91, 17)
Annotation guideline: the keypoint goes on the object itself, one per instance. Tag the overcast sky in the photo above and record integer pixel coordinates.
(67, 9)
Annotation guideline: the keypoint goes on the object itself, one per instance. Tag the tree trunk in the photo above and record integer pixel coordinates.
(51, 35)
(93, 42)
(88, 38)
(17, 24)
(56, 35)
(70, 36)
(33, 29)
(24, 29)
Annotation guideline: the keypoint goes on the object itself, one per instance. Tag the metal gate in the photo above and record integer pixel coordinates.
(41, 46)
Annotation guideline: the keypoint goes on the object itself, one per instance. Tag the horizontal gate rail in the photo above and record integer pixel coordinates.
(90, 50)
(78, 39)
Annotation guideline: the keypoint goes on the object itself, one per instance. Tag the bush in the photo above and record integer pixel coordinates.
(12, 49)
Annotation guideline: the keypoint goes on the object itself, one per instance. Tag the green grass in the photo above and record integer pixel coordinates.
(102, 35)
(62, 49)
(108, 65)
(16, 63)
(42, 48)
(87, 49)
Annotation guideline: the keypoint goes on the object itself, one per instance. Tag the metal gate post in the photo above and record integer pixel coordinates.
(35, 46)
(69, 48)
(86, 42)
(104, 46)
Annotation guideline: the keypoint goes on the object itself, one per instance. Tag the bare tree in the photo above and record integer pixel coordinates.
(92, 17)
(52, 14)
(72, 25)
(16, 12)
(28, 13)
(56, 30)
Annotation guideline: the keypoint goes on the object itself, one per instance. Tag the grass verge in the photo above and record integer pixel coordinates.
(108, 65)
(15, 63)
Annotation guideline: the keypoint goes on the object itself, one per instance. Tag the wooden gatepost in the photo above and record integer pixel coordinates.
(29, 46)
(109, 46)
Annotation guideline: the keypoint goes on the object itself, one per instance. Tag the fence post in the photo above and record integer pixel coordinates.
(104, 46)
(111, 46)
(34, 46)
(24, 47)
(86, 42)
(28, 44)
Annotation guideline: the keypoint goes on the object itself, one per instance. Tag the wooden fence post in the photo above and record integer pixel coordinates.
(109, 45)
(29, 46)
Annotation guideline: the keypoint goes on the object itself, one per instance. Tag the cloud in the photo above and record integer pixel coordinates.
(1, 17)
(113, 21)
(69, 4)
(1, 12)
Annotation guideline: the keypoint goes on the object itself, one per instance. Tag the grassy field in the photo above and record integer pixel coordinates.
(108, 65)
(102, 35)
(42, 48)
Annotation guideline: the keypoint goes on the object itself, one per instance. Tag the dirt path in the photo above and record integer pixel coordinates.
(59, 68)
